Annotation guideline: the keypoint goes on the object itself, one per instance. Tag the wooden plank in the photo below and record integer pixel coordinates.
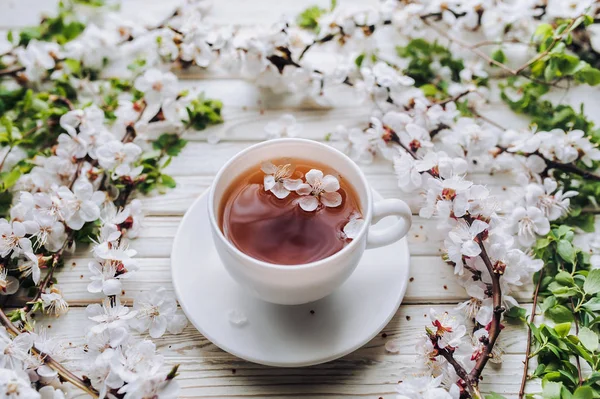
(371, 371)
(431, 279)
(201, 159)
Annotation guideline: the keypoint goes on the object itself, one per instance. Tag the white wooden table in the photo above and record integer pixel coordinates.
(207, 371)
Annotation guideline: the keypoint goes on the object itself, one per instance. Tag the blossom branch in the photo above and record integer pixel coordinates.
(495, 326)
(65, 373)
(481, 54)
(529, 333)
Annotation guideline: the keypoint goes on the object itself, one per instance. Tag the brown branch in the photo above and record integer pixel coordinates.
(571, 168)
(5, 157)
(500, 42)
(495, 325)
(67, 375)
(11, 70)
(528, 350)
(64, 100)
(577, 361)
(541, 55)
(455, 98)
(481, 54)
(472, 379)
(42, 287)
(567, 167)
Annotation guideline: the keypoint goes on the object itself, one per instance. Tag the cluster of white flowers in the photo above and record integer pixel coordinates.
(431, 145)
(75, 187)
(318, 188)
(53, 204)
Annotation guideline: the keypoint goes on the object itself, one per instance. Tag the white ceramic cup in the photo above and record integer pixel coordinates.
(297, 284)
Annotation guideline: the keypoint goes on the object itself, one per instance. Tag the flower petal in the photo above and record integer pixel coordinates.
(308, 203)
(313, 176)
(331, 200)
(353, 227)
(292, 184)
(177, 324)
(304, 189)
(269, 182)
(280, 191)
(330, 183)
(268, 168)
(111, 287)
(158, 327)
(470, 248)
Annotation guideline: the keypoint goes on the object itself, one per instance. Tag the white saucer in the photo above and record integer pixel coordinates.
(278, 335)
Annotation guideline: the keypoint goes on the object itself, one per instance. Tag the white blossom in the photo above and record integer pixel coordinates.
(37, 58)
(528, 223)
(54, 302)
(119, 157)
(15, 352)
(554, 203)
(157, 88)
(278, 179)
(108, 315)
(319, 189)
(80, 205)
(156, 312)
(425, 387)
(463, 240)
(16, 385)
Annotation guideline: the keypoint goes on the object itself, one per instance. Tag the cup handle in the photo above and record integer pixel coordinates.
(389, 207)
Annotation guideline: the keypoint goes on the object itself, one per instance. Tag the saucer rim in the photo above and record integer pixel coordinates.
(290, 364)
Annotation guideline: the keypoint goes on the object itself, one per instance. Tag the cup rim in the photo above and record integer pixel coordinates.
(333, 257)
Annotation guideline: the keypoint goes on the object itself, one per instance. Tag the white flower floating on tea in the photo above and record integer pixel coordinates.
(319, 188)
(353, 227)
(277, 179)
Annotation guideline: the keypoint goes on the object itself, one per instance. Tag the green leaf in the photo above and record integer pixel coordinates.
(169, 143)
(516, 313)
(333, 5)
(551, 390)
(588, 338)
(542, 32)
(564, 278)
(589, 75)
(593, 305)
(566, 251)
(359, 60)
(592, 282)
(499, 56)
(563, 329)
(308, 19)
(584, 392)
(585, 221)
(548, 303)
(168, 181)
(494, 395)
(560, 314)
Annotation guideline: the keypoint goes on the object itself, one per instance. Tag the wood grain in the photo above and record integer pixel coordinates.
(206, 371)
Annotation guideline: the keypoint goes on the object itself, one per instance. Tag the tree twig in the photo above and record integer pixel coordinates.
(49, 361)
(495, 325)
(11, 70)
(481, 54)
(528, 350)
